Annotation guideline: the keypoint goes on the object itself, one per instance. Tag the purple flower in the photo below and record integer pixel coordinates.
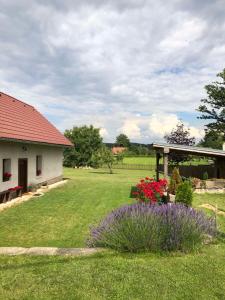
(141, 227)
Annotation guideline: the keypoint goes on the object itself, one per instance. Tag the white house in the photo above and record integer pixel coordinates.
(31, 148)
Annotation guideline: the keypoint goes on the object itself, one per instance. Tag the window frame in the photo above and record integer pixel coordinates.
(39, 165)
(4, 171)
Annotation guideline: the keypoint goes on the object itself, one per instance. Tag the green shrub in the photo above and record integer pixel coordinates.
(184, 193)
(205, 176)
(175, 181)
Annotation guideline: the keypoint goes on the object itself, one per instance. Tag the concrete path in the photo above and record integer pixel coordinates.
(48, 251)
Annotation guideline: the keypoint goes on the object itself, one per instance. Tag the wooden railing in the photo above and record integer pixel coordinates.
(193, 171)
(134, 167)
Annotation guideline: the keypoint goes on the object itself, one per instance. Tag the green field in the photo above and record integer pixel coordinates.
(140, 160)
(62, 218)
(151, 160)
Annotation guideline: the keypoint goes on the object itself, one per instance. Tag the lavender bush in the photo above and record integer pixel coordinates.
(141, 227)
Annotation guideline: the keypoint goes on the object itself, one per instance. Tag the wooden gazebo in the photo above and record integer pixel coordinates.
(163, 150)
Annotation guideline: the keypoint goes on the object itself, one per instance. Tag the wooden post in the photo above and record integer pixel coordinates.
(165, 162)
(215, 168)
(158, 156)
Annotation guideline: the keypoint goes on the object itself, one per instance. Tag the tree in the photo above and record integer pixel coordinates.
(212, 139)
(184, 193)
(86, 140)
(175, 181)
(138, 149)
(123, 140)
(104, 156)
(213, 107)
(180, 136)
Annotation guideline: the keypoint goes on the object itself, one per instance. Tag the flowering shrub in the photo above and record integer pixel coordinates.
(16, 188)
(149, 190)
(141, 227)
(6, 176)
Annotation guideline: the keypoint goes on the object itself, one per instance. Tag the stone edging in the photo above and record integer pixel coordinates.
(49, 251)
(213, 208)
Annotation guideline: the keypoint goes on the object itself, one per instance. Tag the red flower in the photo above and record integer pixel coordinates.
(149, 190)
(7, 175)
(16, 188)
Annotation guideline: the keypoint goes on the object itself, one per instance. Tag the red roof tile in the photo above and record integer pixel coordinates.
(21, 121)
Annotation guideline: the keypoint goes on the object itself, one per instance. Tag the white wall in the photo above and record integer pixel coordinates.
(52, 157)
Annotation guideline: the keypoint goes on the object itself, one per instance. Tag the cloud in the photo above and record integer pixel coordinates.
(160, 125)
(119, 64)
(131, 129)
(103, 132)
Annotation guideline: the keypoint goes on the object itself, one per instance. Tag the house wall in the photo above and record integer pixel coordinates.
(51, 162)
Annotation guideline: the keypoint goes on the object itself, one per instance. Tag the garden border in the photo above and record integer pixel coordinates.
(49, 251)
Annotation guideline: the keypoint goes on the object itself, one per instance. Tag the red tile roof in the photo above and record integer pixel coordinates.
(117, 150)
(21, 121)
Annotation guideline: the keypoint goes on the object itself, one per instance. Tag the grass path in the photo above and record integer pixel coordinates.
(62, 217)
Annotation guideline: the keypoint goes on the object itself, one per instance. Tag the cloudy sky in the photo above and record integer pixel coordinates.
(129, 66)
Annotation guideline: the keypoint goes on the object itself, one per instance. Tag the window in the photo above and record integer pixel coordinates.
(6, 174)
(38, 165)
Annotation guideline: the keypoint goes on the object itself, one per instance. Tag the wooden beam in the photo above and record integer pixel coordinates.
(158, 156)
(165, 162)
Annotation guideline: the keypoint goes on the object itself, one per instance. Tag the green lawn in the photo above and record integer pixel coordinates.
(62, 217)
(140, 160)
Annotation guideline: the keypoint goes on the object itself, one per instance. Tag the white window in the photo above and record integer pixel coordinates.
(6, 169)
(38, 165)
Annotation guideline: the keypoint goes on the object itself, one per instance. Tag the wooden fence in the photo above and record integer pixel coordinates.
(134, 167)
(193, 171)
(186, 171)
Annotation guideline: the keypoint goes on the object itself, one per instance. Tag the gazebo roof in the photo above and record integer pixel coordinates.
(200, 151)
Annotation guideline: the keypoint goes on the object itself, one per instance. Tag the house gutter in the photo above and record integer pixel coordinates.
(35, 143)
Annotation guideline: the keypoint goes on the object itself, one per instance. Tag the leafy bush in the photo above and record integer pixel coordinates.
(184, 193)
(143, 227)
(150, 191)
(205, 176)
(175, 181)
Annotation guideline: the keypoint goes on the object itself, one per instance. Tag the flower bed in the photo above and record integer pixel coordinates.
(150, 191)
(15, 192)
(141, 227)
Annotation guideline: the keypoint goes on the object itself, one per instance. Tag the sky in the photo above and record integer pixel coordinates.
(126, 66)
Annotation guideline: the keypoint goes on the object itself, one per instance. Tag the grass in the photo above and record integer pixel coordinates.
(62, 218)
(139, 160)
